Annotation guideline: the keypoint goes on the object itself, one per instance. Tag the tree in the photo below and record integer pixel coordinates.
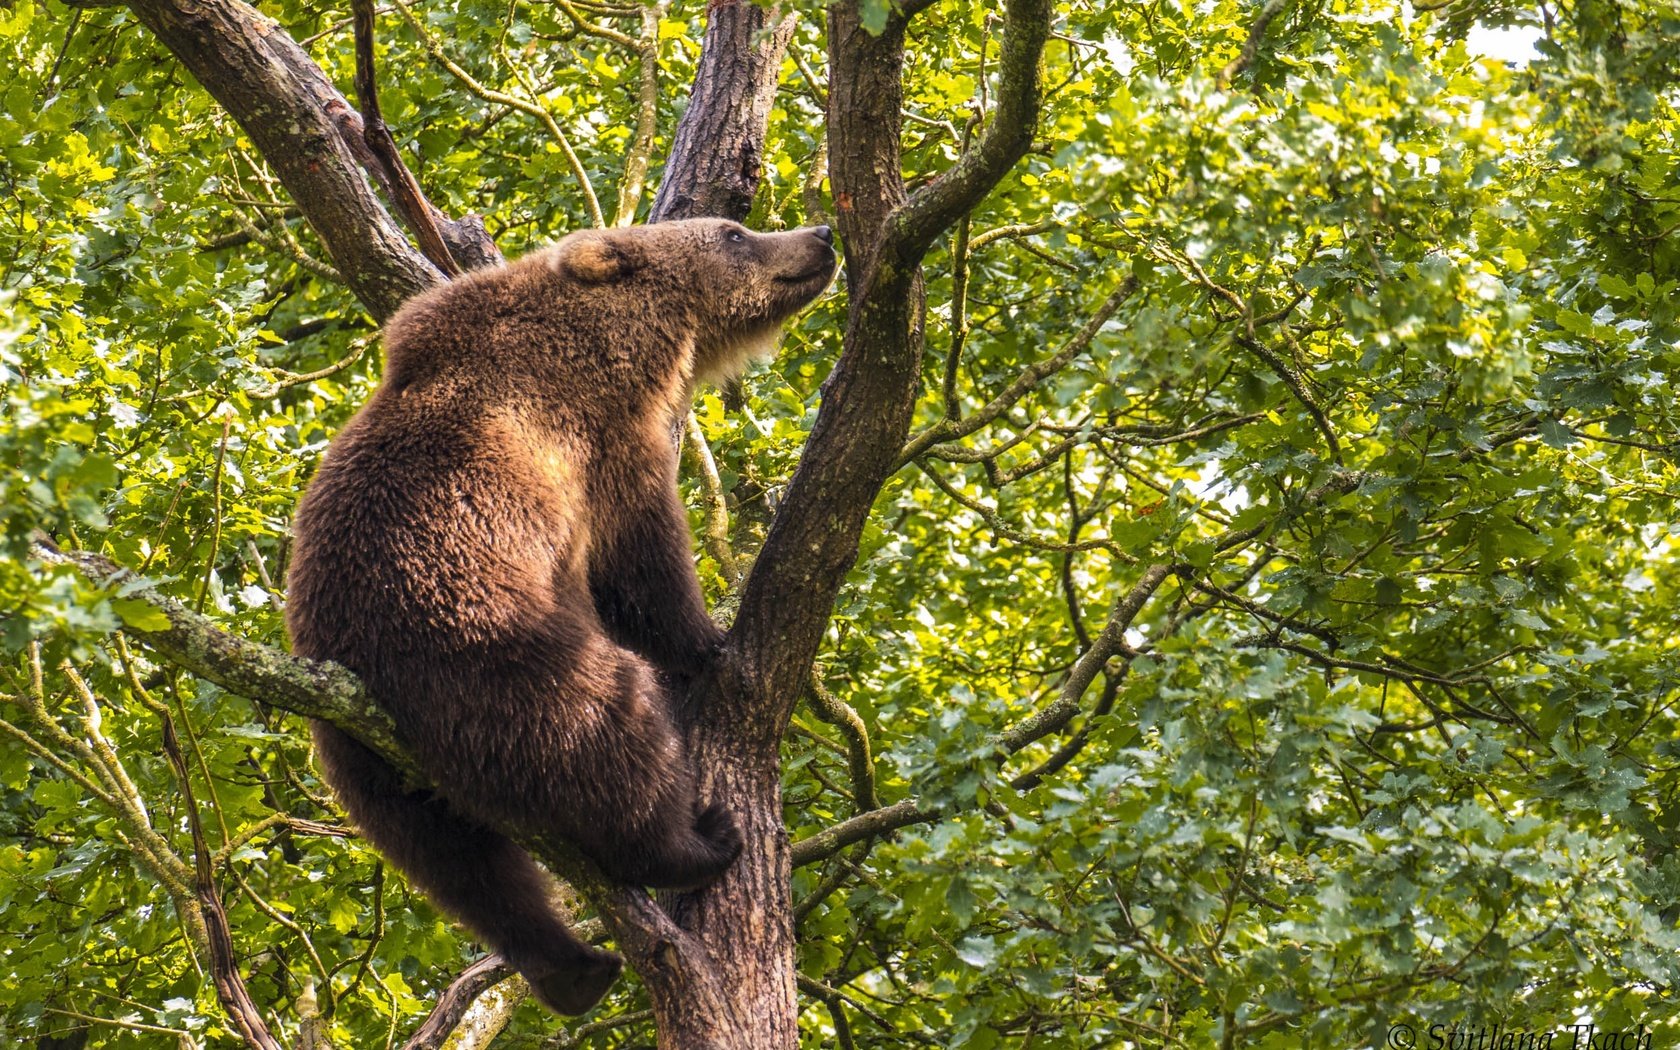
(1203, 579)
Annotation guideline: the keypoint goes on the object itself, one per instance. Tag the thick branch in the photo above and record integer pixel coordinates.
(305, 687)
(661, 951)
(869, 397)
(716, 156)
(832, 840)
(287, 106)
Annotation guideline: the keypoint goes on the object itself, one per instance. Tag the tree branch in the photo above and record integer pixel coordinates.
(530, 107)
(949, 428)
(714, 505)
(289, 109)
(904, 813)
(837, 837)
(306, 687)
(716, 157)
(1112, 640)
(867, 403)
(224, 965)
(405, 189)
(836, 712)
(1006, 139)
(1251, 46)
(637, 157)
(453, 1004)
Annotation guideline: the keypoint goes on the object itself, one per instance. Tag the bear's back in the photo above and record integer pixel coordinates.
(431, 528)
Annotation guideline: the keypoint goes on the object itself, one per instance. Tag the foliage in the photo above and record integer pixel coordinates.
(1392, 401)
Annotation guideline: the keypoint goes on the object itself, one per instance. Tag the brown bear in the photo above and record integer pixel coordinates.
(496, 545)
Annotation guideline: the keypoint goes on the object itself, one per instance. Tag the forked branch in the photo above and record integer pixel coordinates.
(289, 109)
(1008, 135)
(404, 187)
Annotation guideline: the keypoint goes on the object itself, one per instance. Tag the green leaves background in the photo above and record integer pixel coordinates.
(1407, 751)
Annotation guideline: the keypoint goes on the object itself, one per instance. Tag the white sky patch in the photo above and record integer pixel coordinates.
(1513, 45)
(1214, 485)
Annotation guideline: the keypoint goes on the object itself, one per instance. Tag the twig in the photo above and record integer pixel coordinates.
(985, 237)
(836, 837)
(216, 511)
(1251, 46)
(575, 1037)
(230, 985)
(287, 380)
(1292, 380)
(595, 29)
(995, 522)
(284, 243)
(714, 505)
(836, 712)
(133, 1026)
(960, 248)
(640, 153)
(946, 429)
(502, 98)
(418, 211)
(1111, 641)
(289, 923)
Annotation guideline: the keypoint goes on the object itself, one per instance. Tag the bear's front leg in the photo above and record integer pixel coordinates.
(645, 589)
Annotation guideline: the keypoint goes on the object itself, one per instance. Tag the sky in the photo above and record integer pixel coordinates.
(1514, 45)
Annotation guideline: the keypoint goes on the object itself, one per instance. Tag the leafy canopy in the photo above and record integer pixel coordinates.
(1392, 399)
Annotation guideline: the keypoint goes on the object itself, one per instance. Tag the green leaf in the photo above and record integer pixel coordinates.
(140, 615)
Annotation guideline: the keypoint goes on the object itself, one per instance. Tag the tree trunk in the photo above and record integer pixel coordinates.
(717, 154)
(743, 922)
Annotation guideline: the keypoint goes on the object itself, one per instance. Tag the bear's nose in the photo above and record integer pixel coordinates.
(824, 234)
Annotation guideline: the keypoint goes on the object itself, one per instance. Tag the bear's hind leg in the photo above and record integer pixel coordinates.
(665, 839)
(476, 875)
(577, 738)
(680, 855)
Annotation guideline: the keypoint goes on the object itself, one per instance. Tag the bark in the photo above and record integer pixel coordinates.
(452, 1007)
(291, 112)
(247, 668)
(717, 154)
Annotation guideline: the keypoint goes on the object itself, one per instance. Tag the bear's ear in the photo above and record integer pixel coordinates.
(597, 257)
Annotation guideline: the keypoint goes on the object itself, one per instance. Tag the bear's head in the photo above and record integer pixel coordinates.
(738, 286)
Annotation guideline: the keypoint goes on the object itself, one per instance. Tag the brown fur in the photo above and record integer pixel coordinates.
(495, 544)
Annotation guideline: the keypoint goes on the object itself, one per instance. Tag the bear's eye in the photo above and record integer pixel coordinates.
(735, 237)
